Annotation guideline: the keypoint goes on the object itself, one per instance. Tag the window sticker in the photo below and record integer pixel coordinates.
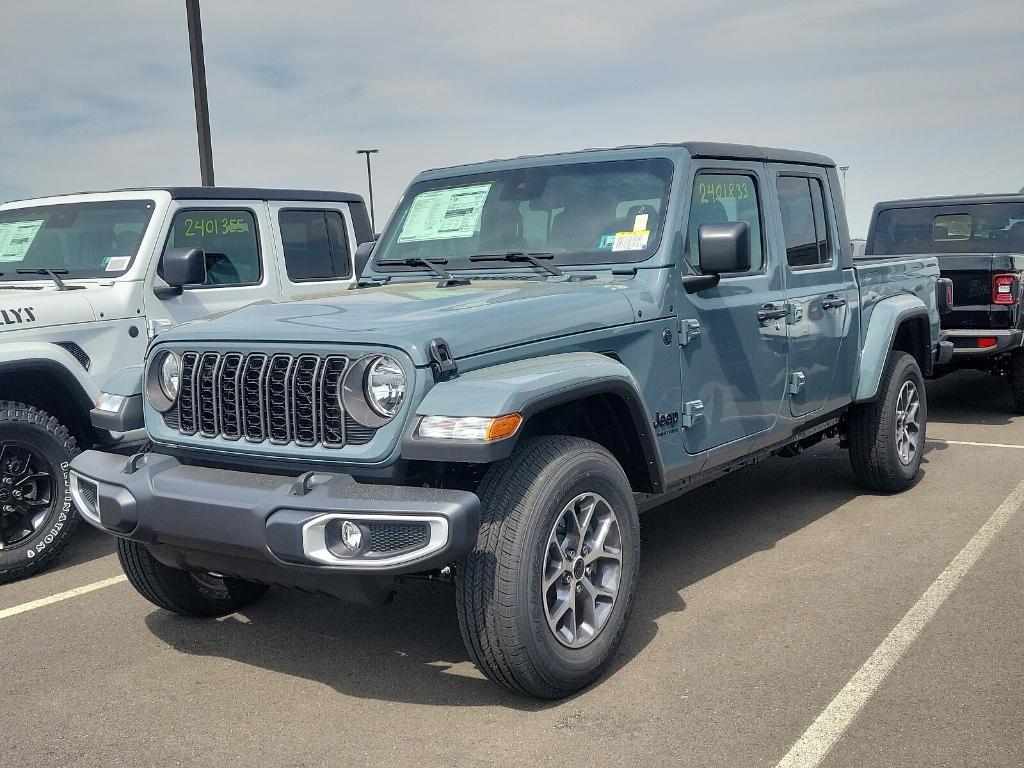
(116, 263)
(631, 241)
(444, 214)
(606, 242)
(640, 222)
(16, 238)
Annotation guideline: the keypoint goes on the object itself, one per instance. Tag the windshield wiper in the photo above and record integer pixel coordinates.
(533, 258)
(447, 278)
(53, 274)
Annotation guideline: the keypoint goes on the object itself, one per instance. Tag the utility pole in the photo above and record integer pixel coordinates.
(843, 169)
(195, 46)
(369, 183)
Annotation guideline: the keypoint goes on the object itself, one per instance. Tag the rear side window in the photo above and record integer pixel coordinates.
(723, 198)
(229, 239)
(315, 245)
(802, 203)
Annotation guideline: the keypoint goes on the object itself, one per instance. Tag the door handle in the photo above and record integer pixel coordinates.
(833, 302)
(770, 312)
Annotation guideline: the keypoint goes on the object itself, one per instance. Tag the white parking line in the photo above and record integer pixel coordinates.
(44, 601)
(811, 748)
(979, 445)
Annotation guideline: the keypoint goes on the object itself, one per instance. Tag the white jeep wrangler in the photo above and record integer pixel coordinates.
(87, 280)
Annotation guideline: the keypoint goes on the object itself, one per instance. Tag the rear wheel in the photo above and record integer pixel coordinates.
(886, 436)
(545, 596)
(184, 592)
(1017, 379)
(36, 514)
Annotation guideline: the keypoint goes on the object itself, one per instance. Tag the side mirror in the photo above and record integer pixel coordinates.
(362, 257)
(184, 266)
(724, 248)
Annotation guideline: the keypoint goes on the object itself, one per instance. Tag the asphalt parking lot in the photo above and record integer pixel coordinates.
(761, 598)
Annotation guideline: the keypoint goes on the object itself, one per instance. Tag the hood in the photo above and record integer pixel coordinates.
(486, 315)
(27, 308)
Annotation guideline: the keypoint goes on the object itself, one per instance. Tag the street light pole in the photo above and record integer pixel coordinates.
(369, 183)
(843, 169)
(195, 46)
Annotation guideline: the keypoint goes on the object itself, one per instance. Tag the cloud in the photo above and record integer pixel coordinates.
(917, 97)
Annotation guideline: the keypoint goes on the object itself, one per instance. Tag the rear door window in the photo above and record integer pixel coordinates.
(315, 245)
(228, 237)
(802, 204)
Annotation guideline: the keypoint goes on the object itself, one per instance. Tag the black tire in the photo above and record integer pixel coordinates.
(26, 431)
(1017, 379)
(872, 430)
(183, 592)
(499, 589)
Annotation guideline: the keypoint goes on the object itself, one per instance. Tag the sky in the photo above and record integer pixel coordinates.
(918, 98)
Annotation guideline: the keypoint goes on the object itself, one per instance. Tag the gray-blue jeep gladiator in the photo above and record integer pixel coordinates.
(979, 243)
(538, 349)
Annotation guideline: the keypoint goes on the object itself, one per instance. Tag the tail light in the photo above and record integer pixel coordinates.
(987, 341)
(944, 295)
(1005, 288)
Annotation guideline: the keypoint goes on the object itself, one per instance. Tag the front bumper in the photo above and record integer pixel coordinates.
(274, 529)
(965, 342)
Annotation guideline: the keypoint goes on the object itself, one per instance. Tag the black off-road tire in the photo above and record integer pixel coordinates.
(872, 430)
(1017, 379)
(499, 590)
(45, 435)
(182, 592)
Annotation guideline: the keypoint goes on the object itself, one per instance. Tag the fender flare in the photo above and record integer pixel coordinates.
(886, 317)
(528, 387)
(22, 357)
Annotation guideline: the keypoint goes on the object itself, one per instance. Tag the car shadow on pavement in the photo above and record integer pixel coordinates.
(970, 397)
(87, 544)
(411, 651)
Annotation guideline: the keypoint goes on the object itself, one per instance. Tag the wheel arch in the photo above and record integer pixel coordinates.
(582, 394)
(51, 387)
(899, 323)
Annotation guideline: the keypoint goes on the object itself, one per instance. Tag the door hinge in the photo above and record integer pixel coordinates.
(796, 313)
(796, 382)
(693, 411)
(688, 331)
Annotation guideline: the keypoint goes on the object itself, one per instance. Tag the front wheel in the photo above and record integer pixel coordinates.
(886, 436)
(545, 596)
(36, 515)
(184, 592)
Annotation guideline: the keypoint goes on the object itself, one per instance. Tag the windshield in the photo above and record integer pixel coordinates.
(971, 228)
(86, 239)
(584, 213)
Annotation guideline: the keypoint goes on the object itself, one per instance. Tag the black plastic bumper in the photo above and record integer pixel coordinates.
(965, 342)
(270, 528)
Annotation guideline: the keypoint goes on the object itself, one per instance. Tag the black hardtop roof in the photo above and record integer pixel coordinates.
(234, 193)
(697, 149)
(924, 202)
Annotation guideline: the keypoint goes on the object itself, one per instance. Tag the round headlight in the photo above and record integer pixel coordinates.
(385, 386)
(170, 376)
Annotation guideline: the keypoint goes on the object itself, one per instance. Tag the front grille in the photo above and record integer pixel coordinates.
(396, 537)
(260, 398)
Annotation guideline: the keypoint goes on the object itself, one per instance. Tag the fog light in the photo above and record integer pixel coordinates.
(351, 536)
